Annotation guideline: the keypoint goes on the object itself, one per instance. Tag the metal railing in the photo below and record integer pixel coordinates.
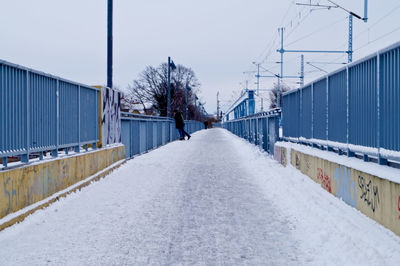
(141, 133)
(40, 112)
(261, 129)
(354, 110)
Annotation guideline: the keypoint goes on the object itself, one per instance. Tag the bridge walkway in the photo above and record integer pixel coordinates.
(212, 200)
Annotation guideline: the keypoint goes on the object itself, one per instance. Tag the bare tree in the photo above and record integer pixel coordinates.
(151, 88)
(273, 94)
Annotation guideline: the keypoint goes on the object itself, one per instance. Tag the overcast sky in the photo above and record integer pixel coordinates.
(218, 39)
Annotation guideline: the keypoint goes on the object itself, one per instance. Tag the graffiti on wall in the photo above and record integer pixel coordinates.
(21, 191)
(297, 161)
(307, 165)
(369, 192)
(111, 116)
(398, 205)
(324, 179)
(21, 188)
(345, 189)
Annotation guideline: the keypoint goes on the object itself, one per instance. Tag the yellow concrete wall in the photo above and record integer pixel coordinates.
(376, 197)
(29, 184)
(280, 155)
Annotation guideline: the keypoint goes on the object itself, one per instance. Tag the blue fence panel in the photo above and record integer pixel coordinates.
(166, 132)
(306, 113)
(69, 114)
(126, 137)
(337, 107)
(159, 134)
(135, 137)
(88, 115)
(13, 110)
(149, 135)
(291, 114)
(389, 93)
(273, 133)
(43, 112)
(265, 135)
(141, 133)
(363, 103)
(40, 112)
(262, 129)
(155, 136)
(319, 109)
(361, 108)
(142, 136)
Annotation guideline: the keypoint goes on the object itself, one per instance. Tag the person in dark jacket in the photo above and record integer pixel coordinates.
(180, 124)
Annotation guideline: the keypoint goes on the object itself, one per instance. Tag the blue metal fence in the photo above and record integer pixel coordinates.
(243, 106)
(353, 110)
(261, 129)
(141, 133)
(40, 112)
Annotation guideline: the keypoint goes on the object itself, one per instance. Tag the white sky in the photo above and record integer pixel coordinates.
(218, 39)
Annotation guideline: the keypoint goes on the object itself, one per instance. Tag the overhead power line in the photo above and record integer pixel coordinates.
(316, 31)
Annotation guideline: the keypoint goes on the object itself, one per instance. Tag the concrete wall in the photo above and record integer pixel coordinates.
(280, 155)
(376, 197)
(29, 184)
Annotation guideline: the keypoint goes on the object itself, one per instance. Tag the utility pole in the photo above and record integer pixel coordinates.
(217, 106)
(278, 98)
(109, 43)
(258, 77)
(169, 88)
(350, 55)
(187, 100)
(195, 107)
(302, 71)
(171, 64)
(351, 14)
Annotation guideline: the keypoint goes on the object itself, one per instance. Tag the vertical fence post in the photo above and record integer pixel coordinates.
(300, 112)
(54, 152)
(327, 113)
(312, 113)
(170, 130)
(25, 157)
(268, 144)
(94, 144)
(379, 102)
(77, 148)
(131, 138)
(349, 152)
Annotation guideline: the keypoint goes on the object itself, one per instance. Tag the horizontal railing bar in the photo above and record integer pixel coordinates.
(30, 70)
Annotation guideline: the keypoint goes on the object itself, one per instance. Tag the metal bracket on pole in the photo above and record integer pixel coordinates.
(350, 52)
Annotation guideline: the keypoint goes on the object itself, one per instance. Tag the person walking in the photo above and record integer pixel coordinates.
(180, 124)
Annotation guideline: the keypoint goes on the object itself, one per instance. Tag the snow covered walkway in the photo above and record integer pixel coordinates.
(213, 200)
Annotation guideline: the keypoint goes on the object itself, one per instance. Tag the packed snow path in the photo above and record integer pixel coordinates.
(212, 200)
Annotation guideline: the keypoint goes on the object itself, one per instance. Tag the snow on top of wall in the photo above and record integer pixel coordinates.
(382, 171)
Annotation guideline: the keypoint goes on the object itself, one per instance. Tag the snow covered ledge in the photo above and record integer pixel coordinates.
(371, 188)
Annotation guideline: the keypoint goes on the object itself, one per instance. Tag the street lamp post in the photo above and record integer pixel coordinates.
(187, 92)
(172, 66)
(195, 108)
(109, 43)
